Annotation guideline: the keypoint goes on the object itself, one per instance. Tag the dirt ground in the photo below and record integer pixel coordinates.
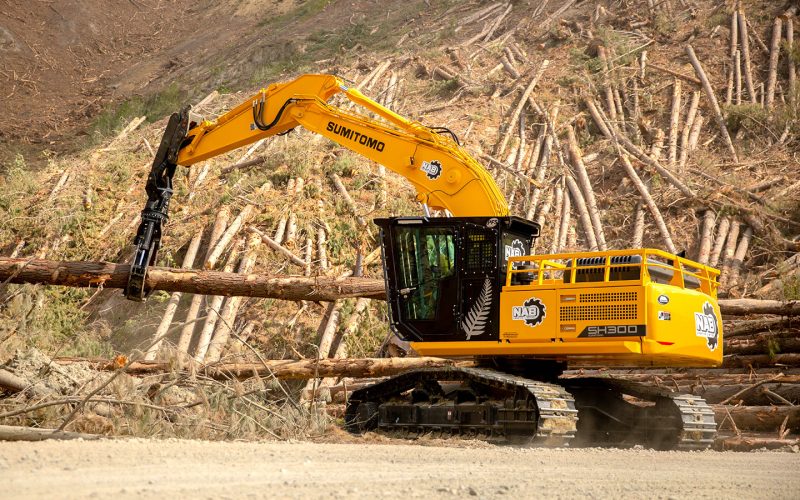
(142, 468)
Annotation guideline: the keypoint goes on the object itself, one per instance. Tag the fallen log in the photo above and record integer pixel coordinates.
(763, 345)
(758, 393)
(736, 360)
(12, 383)
(110, 275)
(757, 418)
(706, 377)
(284, 369)
(743, 307)
(749, 443)
(17, 433)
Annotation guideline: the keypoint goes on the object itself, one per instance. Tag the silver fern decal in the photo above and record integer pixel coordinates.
(475, 322)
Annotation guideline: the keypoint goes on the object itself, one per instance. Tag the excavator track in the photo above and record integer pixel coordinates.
(518, 410)
(471, 401)
(622, 413)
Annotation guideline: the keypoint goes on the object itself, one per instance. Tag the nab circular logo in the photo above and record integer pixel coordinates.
(663, 299)
(433, 169)
(532, 312)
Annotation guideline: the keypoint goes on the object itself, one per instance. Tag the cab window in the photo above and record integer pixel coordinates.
(426, 256)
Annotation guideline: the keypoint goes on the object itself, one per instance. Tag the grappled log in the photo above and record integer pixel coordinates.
(284, 369)
(110, 275)
(320, 288)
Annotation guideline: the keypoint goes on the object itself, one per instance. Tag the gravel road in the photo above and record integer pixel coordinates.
(150, 468)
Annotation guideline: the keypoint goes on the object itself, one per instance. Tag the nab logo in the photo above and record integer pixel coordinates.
(433, 169)
(705, 325)
(515, 249)
(532, 312)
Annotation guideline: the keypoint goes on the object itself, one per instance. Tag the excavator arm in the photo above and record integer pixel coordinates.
(444, 175)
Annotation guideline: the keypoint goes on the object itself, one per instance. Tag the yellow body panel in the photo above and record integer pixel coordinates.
(651, 320)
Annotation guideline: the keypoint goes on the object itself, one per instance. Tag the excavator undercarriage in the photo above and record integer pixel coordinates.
(517, 410)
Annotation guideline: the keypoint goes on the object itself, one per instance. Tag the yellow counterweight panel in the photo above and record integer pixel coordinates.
(683, 323)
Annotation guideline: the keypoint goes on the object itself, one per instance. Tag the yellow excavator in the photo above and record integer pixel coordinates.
(466, 285)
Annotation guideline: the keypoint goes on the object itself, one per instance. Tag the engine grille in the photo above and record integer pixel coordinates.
(589, 308)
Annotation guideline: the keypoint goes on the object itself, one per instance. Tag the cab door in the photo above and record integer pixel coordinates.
(427, 291)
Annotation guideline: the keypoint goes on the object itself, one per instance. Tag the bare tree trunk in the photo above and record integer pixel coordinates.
(586, 186)
(748, 72)
(674, 120)
(745, 307)
(294, 259)
(712, 98)
(547, 148)
(775, 50)
(614, 136)
(280, 231)
(291, 232)
(563, 231)
(638, 225)
(737, 58)
(733, 48)
(558, 204)
(759, 418)
(651, 204)
(738, 257)
(694, 136)
(220, 223)
(706, 234)
(214, 307)
(288, 369)
(309, 254)
(719, 241)
(501, 146)
(691, 116)
(730, 249)
(790, 60)
(322, 252)
(174, 300)
(337, 181)
(583, 213)
(228, 314)
(17, 433)
(545, 211)
(228, 236)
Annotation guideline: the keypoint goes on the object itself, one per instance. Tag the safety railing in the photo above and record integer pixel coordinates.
(611, 268)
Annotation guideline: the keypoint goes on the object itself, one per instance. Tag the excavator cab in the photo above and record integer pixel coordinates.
(444, 275)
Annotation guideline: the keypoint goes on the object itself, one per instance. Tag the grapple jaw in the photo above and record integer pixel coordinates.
(156, 209)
